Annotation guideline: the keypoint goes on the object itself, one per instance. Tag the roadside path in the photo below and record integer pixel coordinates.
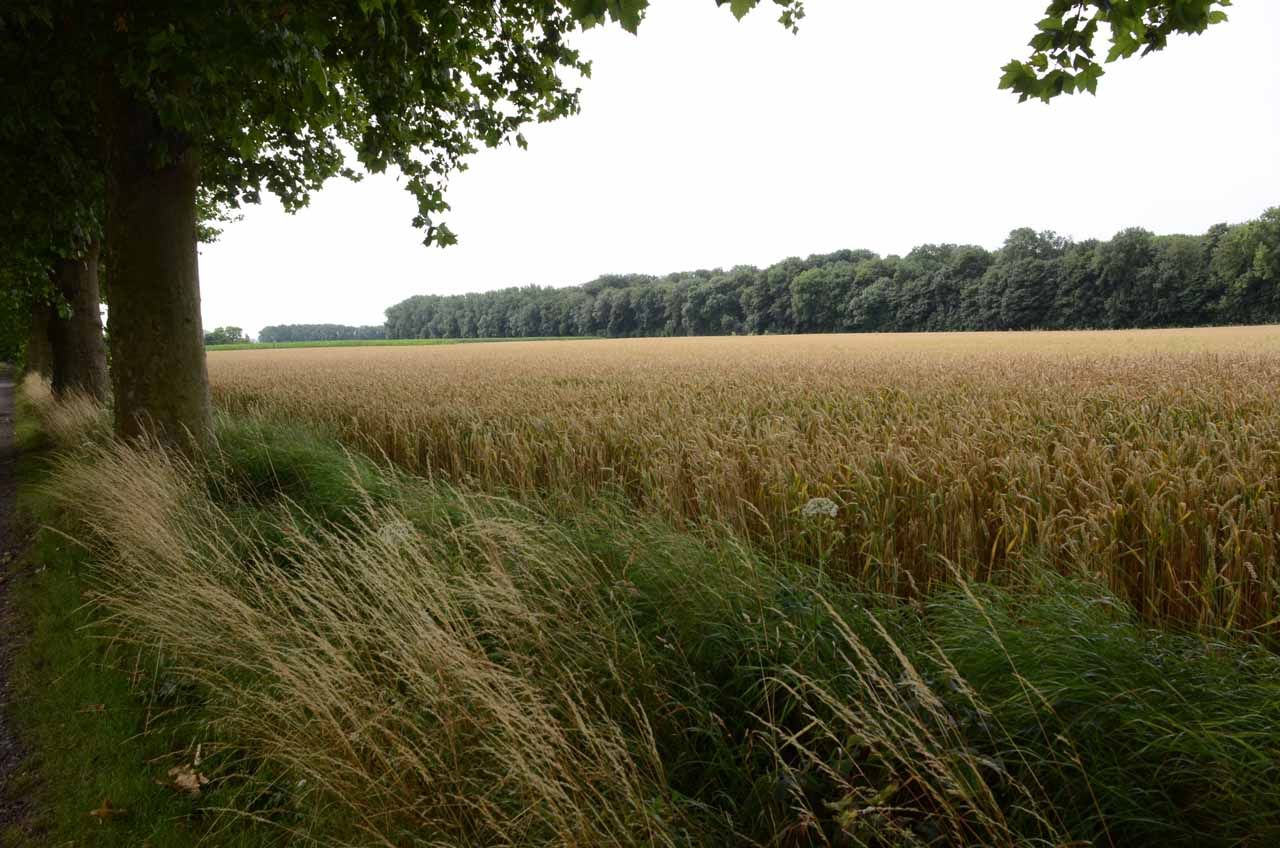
(11, 809)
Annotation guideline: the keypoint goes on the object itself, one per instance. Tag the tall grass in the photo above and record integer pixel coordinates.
(367, 667)
(1151, 460)
(387, 660)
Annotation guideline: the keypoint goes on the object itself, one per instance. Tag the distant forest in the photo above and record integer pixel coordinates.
(1037, 280)
(319, 333)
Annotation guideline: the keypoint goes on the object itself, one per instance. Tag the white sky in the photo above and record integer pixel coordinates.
(704, 142)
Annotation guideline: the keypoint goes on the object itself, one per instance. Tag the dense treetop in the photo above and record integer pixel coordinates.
(269, 93)
(1037, 280)
(51, 193)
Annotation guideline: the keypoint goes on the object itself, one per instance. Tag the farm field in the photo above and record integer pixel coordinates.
(1148, 458)
(935, 590)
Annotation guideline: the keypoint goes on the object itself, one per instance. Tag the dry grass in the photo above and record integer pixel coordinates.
(398, 686)
(1152, 458)
(457, 680)
(68, 421)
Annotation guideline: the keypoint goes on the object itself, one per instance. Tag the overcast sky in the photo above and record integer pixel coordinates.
(704, 142)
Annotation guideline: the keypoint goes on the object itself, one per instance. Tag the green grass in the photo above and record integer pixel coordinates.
(757, 700)
(106, 725)
(384, 343)
(104, 722)
(1161, 739)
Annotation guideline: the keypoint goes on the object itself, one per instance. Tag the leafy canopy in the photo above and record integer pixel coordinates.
(50, 181)
(275, 95)
(1063, 59)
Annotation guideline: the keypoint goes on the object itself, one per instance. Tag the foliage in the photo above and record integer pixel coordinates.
(15, 312)
(51, 186)
(270, 93)
(225, 336)
(51, 179)
(319, 333)
(1230, 275)
(1063, 59)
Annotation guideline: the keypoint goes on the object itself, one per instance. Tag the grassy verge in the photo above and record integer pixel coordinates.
(384, 342)
(100, 722)
(363, 657)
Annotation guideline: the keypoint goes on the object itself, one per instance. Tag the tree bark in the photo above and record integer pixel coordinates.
(39, 356)
(158, 371)
(79, 351)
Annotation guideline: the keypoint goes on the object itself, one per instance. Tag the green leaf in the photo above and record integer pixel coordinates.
(1064, 38)
(1014, 72)
(629, 13)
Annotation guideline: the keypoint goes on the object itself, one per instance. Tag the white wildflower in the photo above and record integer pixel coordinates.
(395, 532)
(820, 506)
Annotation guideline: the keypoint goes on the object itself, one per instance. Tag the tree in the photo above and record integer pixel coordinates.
(341, 332)
(75, 327)
(226, 335)
(871, 309)
(20, 341)
(1079, 302)
(1022, 283)
(52, 321)
(51, 196)
(1247, 261)
(929, 282)
(1124, 272)
(1036, 280)
(237, 98)
(1182, 281)
(1063, 59)
(818, 294)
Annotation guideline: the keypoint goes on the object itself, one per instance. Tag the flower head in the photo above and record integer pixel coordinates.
(820, 506)
(396, 532)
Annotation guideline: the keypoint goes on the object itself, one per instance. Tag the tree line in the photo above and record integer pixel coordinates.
(1036, 280)
(320, 333)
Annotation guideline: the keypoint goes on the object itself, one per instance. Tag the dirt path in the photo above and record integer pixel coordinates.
(10, 752)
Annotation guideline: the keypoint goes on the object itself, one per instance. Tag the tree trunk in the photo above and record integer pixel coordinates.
(157, 345)
(39, 356)
(79, 351)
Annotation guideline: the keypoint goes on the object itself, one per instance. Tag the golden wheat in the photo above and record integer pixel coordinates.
(1151, 458)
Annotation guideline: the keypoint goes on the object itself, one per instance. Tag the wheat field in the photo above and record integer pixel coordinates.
(1148, 458)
